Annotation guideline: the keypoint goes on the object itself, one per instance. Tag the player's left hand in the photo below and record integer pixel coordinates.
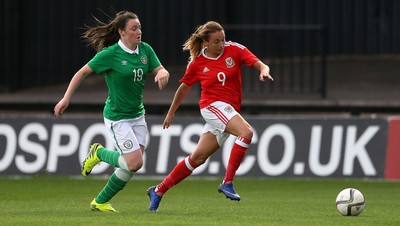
(161, 78)
(265, 74)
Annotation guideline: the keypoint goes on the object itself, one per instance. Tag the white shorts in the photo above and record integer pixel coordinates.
(127, 134)
(217, 115)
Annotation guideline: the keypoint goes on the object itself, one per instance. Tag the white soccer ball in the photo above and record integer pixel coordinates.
(350, 202)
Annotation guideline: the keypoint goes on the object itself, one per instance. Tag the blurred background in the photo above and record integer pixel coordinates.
(327, 56)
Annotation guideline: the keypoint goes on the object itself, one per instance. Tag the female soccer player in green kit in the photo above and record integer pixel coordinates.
(124, 61)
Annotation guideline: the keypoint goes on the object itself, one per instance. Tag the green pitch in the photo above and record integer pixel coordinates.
(49, 200)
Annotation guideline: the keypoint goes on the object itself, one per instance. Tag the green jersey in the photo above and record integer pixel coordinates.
(125, 75)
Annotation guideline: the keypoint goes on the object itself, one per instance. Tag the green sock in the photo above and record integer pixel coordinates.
(113, 186)
(108, 156)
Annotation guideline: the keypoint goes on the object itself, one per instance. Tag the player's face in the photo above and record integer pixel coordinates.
(216, 43)
(132, 33)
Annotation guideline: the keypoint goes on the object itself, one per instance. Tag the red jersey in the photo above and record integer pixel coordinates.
(221, 77)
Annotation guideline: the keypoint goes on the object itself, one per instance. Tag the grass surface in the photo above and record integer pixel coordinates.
(49, 200)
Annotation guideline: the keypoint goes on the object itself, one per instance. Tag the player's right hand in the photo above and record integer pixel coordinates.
(60, 107)
(167, 121)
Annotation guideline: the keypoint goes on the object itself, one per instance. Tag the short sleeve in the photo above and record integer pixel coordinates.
(100, 62)
(248, 58)
(189, 77)
(154, 62)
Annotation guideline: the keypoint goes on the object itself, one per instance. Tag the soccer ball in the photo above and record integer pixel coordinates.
(350, 202)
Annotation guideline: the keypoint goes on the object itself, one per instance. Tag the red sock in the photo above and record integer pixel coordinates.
(237, 154)
(182, 170)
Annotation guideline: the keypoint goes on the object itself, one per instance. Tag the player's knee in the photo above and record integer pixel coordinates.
(135, 165)
(247, 133)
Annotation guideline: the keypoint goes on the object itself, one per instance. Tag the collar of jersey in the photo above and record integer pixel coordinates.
(126, 49)
(203, 52)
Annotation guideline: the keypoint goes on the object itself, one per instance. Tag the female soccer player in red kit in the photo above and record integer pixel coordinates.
(216, 64)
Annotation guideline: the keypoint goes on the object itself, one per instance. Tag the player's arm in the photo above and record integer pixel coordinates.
(73, 85)
(264, 71)
(161, 77)
(180, 94)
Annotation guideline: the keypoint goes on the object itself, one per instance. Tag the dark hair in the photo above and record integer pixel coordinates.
(105, 34)
(195, 42)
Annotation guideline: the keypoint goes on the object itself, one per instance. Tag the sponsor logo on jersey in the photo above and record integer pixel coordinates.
(143, 59)
(128, 144)
(229, 62)
(206, 70)
(124, 62)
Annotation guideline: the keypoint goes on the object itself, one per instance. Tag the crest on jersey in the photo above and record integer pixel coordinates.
(228, 109)
(229, 62)
(143, 59)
